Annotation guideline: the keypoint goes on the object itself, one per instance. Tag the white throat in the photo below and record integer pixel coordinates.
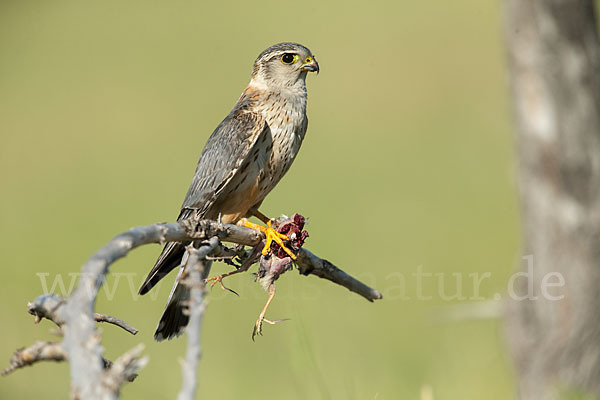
(297, 89)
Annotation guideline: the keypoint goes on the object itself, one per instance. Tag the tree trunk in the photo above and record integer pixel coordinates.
(554, 60)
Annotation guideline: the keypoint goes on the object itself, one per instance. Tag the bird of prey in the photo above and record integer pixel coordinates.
(242, 161)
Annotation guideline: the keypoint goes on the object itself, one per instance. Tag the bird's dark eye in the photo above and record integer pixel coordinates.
(289, 58)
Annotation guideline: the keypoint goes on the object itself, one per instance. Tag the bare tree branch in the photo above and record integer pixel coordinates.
(39, 351)
(52, 351)
(309, 264)
(196, 267)
(115, 321)
(77, 318)
(49, 306)
(124, 369)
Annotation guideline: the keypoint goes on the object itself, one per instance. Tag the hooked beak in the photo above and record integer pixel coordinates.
(311, 65)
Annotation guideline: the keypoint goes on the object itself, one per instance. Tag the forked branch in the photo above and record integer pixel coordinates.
(76, 316)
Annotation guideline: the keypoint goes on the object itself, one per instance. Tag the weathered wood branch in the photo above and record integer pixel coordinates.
(39, 351)
(77, 318)
(49, 306)
(53, 351)
(196, 266)
(309, 264)
(123, 369)
(115, 321)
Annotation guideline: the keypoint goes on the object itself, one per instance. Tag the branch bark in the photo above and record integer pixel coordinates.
(115, 321)
(53, 351)
(196, 265)
(309, 264)
(76, 316)
(50, 307)
(39, 351)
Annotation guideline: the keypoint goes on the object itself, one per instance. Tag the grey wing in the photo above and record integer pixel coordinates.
(223, 155)
(224, 152)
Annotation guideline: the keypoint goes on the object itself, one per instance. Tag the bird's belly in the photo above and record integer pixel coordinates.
(242, 193)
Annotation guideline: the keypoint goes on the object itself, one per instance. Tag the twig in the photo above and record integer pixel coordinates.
(196, 267)
(50, 306)
(115, 321)
(309, 264)
(77, 316)
(124, 369)
(49, 351)
(39, 351)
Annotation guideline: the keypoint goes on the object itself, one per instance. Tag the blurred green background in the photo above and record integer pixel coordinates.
(407, 165)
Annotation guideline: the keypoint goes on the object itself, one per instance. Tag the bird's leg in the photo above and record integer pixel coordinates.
(261, 216)
(261, 318)
(271, 234)
(219, 279)
(243, 268)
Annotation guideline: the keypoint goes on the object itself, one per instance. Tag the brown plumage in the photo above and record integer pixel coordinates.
(243, 160)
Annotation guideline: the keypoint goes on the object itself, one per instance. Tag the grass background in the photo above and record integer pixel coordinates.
(407, 164)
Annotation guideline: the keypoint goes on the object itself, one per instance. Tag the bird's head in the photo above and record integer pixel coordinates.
(284, 65)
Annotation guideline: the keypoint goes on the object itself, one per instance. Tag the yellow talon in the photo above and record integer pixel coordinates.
(271, 235)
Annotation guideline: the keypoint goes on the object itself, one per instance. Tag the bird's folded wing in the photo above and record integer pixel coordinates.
(225, 152)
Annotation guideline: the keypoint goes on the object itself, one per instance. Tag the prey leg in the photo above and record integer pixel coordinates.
(261, 318)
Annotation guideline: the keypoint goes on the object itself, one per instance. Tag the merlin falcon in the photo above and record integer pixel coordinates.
(242, 161)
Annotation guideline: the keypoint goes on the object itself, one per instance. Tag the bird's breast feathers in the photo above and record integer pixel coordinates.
(286, 118)
(248, 153)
